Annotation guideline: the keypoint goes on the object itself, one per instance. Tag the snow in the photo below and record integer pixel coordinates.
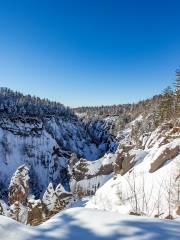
(49, 197)
(81, 202)
(93, 183)
(94, 166)
(89, 224)
(151, 189)
(34, 202)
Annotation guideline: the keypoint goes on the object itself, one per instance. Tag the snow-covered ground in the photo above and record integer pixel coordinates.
(150, 190)
(81, 202)
(89, 224)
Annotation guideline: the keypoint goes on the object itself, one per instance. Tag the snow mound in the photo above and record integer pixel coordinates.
(81, 223)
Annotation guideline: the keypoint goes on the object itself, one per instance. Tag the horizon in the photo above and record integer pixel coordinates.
(94, 53)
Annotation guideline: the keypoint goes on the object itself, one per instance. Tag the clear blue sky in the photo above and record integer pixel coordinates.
(89, 52)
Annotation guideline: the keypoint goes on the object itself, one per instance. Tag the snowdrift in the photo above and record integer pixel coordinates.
(81, 224)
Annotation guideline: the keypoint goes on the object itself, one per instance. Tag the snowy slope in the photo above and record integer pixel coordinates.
(81, 224)
(144, 190)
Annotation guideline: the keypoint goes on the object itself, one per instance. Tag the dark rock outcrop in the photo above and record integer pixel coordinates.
(124, 161)
(167, 154)
(35, 212)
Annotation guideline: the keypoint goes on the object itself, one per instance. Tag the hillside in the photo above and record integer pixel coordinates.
(147, 178)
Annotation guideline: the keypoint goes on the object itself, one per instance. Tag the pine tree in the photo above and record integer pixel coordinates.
(177, 93)
(166, 108)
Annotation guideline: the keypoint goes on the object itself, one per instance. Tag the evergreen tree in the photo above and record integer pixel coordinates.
(177, 93)
(166, 108)
(14, 103)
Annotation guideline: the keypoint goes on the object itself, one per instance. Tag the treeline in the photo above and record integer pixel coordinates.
(16, 104)
(165, 106)
(169, 107)
(126, 112)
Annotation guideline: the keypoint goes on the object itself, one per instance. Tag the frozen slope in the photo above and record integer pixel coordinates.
(81, 224)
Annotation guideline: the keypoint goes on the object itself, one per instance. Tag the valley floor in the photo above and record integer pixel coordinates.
(91, 224)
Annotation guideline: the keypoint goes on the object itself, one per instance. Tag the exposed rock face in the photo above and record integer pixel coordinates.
(163, 135)
(165, 155)
(35, 212)
(105, 169)
(80, 170)
(124, 161)
(127, 157)
(24, 127)
(19, 186)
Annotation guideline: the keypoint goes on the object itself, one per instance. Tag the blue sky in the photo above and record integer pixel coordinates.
(89, 52)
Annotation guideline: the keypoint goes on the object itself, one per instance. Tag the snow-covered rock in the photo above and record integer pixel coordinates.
(19, 185)
(54, 200)
(18, 212)
(88, 176)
